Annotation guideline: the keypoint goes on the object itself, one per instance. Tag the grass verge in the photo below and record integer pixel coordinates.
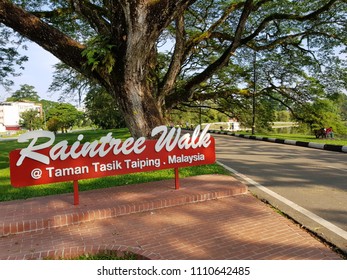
(300, 137)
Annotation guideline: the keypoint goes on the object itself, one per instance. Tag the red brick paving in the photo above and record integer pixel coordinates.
(210, 217)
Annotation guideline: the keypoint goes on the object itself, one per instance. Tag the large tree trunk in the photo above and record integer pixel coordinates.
(133, 73)
(132, 28)
(135, 99)
(139, 108)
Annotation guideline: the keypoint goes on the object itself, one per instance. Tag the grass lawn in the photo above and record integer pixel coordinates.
(7, 192)
(338, 140)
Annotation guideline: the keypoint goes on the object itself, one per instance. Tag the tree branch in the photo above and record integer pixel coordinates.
(51, 39)
(278, 16)
(176, 61)
(162, 12)
(93, 14)
(207, 34)
(220, 110)
(222, 60)
(53, 13)
(296, 116)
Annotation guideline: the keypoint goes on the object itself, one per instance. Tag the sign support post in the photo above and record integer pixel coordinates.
(177, 179)
(76, 199)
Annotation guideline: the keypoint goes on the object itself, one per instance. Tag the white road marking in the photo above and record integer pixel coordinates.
(290, 203)
(336, 168)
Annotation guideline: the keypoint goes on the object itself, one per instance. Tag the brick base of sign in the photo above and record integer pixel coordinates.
(36, 214)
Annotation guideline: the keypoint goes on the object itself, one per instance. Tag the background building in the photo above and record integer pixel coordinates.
(10, 114)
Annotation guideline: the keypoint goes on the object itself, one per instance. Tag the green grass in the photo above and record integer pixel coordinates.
(107, 256)
(7, 192)
(300, 137)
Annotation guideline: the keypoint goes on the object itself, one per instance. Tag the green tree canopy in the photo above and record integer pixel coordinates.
(102, 110)
(31, 119)
(64, 115)
(25, 93)
(115, 44)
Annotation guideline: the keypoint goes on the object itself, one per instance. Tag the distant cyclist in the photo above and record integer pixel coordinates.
(329, 132)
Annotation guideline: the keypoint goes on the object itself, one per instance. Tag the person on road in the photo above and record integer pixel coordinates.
(329, 133)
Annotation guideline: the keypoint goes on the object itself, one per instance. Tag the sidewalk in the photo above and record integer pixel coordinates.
(210, 217)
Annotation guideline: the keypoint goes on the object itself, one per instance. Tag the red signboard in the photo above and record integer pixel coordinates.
(47, 163)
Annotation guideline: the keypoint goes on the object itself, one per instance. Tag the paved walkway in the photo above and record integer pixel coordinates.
(210, 217)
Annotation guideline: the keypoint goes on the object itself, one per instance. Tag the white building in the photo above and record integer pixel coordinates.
(10, 114)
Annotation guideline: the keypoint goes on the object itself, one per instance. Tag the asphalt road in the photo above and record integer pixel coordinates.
(309, 185)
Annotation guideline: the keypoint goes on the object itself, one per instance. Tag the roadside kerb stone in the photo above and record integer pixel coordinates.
(329, 147)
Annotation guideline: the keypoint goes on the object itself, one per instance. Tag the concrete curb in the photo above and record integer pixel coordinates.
(314, 145)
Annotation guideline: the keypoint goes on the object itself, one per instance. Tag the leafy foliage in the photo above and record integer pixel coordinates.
(63, 115)
(53, 124)
(10, 60)
(102, 110)
(25, 93)
(323, 113)
(31, 119)
(71, 85)
(210, 57)
(99, 53)
(194, 114)
(101, 107)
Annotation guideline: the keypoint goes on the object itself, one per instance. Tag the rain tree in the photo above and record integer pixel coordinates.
(117, 43)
